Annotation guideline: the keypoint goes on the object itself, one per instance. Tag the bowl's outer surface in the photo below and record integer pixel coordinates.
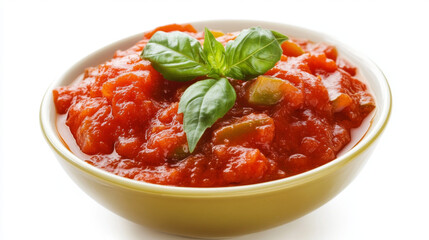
(220, 212)
(217, 216)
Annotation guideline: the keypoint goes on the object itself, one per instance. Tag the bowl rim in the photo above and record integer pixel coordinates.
(200, 192)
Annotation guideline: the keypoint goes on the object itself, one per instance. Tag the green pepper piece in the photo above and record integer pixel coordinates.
(237, 131)
(180, 152)
(267, 90)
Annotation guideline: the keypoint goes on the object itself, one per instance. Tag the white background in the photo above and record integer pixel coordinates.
(40, 39)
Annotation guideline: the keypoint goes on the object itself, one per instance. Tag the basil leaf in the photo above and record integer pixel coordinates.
(176, 55)
(202, 104)
(280, 37)
(252, 53)
(215, 53)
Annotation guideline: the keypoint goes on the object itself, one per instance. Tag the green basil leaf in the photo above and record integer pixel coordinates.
(176, 55)
(280, 37)
(215, 53)
(252, 53)
(202, 104)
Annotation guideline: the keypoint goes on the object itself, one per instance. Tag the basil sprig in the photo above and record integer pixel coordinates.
(215, 55)
(179, 57)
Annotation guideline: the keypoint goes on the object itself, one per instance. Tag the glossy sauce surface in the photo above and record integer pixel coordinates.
(121, 116)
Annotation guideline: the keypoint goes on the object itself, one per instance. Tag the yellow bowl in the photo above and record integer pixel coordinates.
(222, 211)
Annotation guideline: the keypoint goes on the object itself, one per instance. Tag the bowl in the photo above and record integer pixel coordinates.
(221, 211)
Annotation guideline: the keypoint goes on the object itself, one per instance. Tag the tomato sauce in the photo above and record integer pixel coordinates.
(121, 116)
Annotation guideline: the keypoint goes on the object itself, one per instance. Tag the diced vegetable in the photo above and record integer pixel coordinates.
(340, 102)
(171, 28)
(266, 90)
(180, 152)
(291, 49)
(346, 66)
(217, 33)
(254, 127)
(366, 103)
(242, 164)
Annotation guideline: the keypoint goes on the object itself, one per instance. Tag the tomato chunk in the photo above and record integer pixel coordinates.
(92, 125)
(292, 49)
(171, 28)
(243, 165)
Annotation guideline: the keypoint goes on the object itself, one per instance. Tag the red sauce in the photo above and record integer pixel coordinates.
(123, 117)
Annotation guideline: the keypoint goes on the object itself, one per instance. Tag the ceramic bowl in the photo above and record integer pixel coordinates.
(221, 211)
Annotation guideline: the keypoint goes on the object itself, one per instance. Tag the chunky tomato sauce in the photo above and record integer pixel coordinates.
(123, 117)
